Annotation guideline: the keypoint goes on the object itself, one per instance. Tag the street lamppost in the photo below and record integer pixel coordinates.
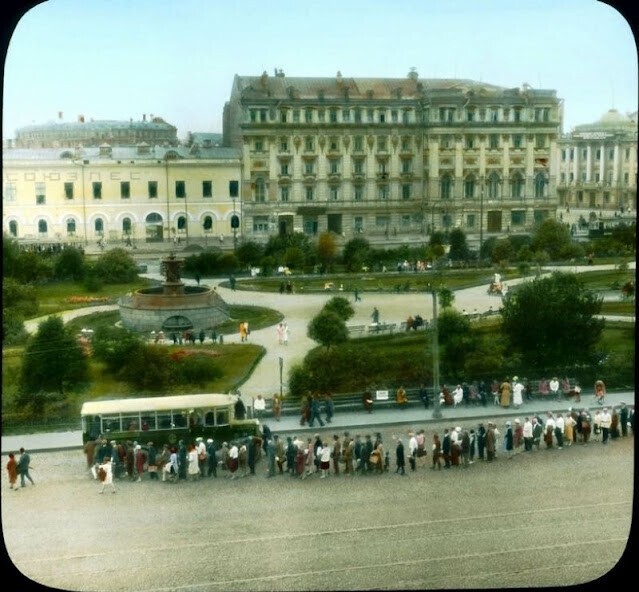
(281, 362)
(437, 412)
(481, 215)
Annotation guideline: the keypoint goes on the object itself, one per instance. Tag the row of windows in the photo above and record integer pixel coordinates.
(384, 223)
(569, 153)
(335, 167)
(471, 189)
(125, 190)
(609, 178)
(382, 143)
(404, 116)
(99, 227)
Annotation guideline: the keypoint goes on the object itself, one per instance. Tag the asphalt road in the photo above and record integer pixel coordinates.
(547, 518)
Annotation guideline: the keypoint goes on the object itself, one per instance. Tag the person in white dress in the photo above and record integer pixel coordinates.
(108, 474)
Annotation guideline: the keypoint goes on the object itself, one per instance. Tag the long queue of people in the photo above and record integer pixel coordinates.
(303, 457)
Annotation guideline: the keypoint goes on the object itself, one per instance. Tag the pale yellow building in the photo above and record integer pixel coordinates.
(392, 159)
(121, 195)
(597, 164)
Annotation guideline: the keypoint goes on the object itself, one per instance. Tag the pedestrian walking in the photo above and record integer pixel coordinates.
(24, 464)
(12, 470)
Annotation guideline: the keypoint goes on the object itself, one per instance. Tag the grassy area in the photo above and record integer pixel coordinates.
(454, 279)
(622, 307)
(58, 297)
(606, 280)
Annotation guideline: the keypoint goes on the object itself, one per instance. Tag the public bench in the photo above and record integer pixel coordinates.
(356, 330)
(375, 329)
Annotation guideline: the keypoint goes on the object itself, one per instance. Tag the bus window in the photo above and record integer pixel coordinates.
(164, 421)
(148, 423)
(222, 417)
(111, 423)
(130, 423)
(209, 418)
(180, 420)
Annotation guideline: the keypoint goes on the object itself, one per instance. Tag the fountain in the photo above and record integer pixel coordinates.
(173, 306)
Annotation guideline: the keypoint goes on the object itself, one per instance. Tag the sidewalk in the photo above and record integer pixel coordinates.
(355, 421)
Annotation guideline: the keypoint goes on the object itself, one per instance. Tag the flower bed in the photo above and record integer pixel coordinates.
(87, 299)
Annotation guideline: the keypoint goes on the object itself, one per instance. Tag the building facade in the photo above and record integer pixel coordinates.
(598, 165)
(121, 195)
(392, 159)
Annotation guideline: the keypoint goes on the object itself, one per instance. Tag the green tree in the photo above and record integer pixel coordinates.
(53, 360)
(456, 341)
(19, 297)
(328, 329)
(502, 251)
(552, 237)
(459, 250)
(249, 253)
(552, 322)
(69, 264)
(32, 268)
(356, 254)
(10, 255)
(116, 267)
(326, 249)
(446, 297)
(115, 346)
(341, 307)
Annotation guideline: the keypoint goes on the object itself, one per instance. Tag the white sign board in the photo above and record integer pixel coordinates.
(381, 395)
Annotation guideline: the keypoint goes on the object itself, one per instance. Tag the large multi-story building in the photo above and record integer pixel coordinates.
(392, 159)
(69, 134)
(597, 164)
(121, 195)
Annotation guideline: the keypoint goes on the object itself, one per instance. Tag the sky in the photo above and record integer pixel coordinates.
(176, 59)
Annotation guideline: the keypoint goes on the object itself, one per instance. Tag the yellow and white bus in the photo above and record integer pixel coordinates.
(166, 420)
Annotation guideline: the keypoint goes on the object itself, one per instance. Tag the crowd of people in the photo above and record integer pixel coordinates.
(302, 457)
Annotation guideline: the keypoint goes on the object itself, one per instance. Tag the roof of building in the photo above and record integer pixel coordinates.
(610, 121)
(98, 125)
(280, 86)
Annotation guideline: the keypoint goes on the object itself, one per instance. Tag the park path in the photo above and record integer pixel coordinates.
(298, 310)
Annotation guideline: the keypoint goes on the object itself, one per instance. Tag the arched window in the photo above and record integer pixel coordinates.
(99, 226)
(154, 218)
(446, 187)
(540, 185)
(70, 226)
(42, 226)
(208, 223)
(469, 188)
(126, 226)
(517, 186)
(181, 223)
(13, 228)
(493, 186)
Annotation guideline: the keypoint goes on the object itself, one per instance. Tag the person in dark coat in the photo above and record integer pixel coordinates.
(182, 463)
(623, 419)
(400, 459)
(508, 439)
(481, 441)
(446, 448)
(291, 453)
(240, 409)
(366, 454)
(152, 460)
(490, 442)
(211, 457)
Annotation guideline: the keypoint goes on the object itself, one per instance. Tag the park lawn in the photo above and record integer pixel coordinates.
(621, 307)
(58, 297)
(236, 360)
(391, 281)
(606, 280)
